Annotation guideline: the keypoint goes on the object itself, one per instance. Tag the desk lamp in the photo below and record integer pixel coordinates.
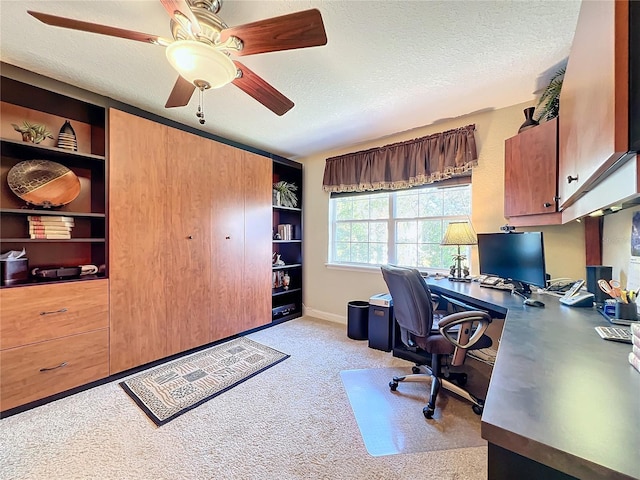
(459, 233)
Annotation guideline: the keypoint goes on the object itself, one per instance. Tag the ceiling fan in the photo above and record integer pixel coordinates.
(202, 44)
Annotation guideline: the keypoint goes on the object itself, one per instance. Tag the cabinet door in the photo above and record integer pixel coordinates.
(257, 259)
(594, 103)
(228, 292)
(531, 171)
(138, 248)
(190, 190)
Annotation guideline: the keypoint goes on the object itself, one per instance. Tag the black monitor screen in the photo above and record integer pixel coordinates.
(518, 257)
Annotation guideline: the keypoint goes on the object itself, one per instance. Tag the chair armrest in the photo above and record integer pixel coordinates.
(466, 320)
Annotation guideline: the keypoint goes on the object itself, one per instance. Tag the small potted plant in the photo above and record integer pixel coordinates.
(283, 194)
(549, 104)
(32, 132)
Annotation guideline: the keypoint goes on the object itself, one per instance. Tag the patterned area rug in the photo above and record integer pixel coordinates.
(169, 390)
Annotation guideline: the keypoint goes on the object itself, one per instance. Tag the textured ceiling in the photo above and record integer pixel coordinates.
(388, 66)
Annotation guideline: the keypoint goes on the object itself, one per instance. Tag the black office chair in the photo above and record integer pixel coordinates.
(413, 308)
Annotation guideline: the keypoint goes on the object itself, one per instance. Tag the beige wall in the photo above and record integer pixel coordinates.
(327, 289)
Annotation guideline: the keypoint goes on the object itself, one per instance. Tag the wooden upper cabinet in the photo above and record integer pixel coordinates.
(594, 128)
(530, 176)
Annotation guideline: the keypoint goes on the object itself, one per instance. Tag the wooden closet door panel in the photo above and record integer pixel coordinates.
(189, 201)
(137, 246)
(228, 292)
(257, 240)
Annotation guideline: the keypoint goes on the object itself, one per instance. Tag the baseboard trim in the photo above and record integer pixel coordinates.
(331, 317)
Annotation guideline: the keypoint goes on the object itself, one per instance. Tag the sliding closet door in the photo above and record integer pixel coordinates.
(137, 240)
(190, 190)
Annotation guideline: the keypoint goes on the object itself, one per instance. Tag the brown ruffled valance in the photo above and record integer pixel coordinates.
(402, 165)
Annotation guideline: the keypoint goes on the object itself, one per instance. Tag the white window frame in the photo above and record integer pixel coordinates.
(392, 221)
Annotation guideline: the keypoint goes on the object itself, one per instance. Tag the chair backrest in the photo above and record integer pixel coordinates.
(412, 303)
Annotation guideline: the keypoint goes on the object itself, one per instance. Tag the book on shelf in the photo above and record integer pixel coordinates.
(49, 229)
(51, 223)
(285, 230)
(50, 236)
(50, 218)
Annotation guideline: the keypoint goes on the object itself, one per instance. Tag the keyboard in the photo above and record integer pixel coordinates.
(616, 334)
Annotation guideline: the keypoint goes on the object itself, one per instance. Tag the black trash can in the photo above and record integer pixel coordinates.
(357, 320)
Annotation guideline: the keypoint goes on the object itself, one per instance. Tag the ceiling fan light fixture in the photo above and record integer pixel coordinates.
(197, 61)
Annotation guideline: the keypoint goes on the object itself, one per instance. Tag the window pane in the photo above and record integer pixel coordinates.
(342, 252)
(378, 253)
(343, 232)
(407, 205)
(430, 256)
(378, 232)
(379, 207)
(360, 232)
(430, 231)
(431, 202)
(407, 232)
(360, 252)
(458, 201)
(361, 208)
(344, 208)
(407, 255)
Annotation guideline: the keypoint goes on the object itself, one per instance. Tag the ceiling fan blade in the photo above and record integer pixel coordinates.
(181, 93)
(181, 6)
(287, 32)
(255, 86)
(97, 28)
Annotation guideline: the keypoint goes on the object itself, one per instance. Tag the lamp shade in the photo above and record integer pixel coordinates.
(199, 61)
(459, 233)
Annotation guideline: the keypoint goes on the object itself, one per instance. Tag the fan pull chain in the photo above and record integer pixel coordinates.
(200, 112)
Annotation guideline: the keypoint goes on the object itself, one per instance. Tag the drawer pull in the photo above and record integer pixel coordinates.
(62, 310)
(63, 364)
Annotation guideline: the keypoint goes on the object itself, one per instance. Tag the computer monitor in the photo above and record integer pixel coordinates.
(516, 257)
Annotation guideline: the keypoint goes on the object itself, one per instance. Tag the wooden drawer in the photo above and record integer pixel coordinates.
(44, 312)
(22, 379)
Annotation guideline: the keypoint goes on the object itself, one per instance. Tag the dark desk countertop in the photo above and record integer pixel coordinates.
(559, 394)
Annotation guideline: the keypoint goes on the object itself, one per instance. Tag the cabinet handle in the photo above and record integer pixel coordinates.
(63, 364)
(62, 310)
(228, 237)
(190, 237)
(572, 179)
(546, 204)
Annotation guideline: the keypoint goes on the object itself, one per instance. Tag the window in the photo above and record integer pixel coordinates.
(403, 227)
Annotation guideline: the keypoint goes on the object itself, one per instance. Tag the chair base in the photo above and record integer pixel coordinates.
(436, 383)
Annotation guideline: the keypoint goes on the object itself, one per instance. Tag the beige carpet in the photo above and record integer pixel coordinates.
(392, 422)
(293, 421)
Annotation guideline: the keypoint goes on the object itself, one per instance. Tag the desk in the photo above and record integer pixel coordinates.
(562, 402)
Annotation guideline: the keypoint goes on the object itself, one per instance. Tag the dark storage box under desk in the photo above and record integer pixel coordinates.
(380, 322)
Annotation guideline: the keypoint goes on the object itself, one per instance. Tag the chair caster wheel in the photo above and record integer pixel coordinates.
(462, 380)
(428, 412)
(393, 386)
(477, 410)
(415, 369)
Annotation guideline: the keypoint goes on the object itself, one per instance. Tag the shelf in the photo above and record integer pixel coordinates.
(287, 241)
(52, 240)
(31, 211)
(31, 282)
(282, 291)
(285, 267)
(290, 209)
(26, 150)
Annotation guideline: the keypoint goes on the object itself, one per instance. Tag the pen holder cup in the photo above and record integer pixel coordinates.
(626, 311)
